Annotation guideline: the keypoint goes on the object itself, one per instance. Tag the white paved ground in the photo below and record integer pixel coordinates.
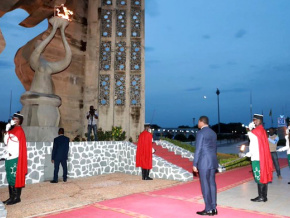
(278, 196)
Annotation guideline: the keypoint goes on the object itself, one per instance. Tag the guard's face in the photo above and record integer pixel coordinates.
(15, 120)
(257, 122)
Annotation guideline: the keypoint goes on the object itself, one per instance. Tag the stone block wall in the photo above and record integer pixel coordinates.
(94, 158)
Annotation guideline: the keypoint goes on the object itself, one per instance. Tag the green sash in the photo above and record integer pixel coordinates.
(256, 171)
(10, 168)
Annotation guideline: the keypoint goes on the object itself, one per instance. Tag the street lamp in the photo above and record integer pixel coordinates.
(193, 119)
(218, 100)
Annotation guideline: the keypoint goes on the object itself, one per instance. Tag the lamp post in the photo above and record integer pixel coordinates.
(218, 100)
(193, 120)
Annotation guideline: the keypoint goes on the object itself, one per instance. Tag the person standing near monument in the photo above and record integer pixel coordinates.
(205, 163)
(286, 147)
(273, 141)
(144, 152)
(260, 155)
(16, 158)
(92, 117)
(59, 155)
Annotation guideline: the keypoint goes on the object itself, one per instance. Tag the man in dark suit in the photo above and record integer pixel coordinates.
(205, 162)
(59, 155)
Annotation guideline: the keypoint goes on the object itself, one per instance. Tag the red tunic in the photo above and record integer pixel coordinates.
(144, 151)
(266, 163)
(22, 158)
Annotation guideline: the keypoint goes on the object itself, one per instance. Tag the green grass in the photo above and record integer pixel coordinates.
(180, 144)
(227, 160)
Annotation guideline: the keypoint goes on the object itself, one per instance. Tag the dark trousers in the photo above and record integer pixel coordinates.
(94, 128)
(208, 187)
(276, 163)
(56, 169)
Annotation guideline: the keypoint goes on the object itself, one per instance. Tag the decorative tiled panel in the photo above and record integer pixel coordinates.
(136, 3)
(120, 56)
(121, 23)
(135, 23)
(135, 55)
(121, 2)
(106, 21)
(105, 56)
(107, 2)
(104, 96)
(120, 89)
(135, 88)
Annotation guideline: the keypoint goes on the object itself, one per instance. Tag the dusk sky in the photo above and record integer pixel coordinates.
(193, 48)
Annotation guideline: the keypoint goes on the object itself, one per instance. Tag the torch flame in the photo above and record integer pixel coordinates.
(242, 149)
(63, 12)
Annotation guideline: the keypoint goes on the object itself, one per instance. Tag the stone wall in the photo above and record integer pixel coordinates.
(94, 158)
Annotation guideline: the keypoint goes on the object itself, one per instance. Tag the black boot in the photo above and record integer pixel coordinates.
(10, 195)
(143, 174)
(147, 175)
(17, 194)
(259, 193)
(265, 192)
(261, 197)
(13, 196)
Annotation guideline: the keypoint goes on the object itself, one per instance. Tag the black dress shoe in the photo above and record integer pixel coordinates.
(214, 212)
(254, 199)
(148, 178)
(289, 183)
(259, 199)
(65, 180)
(53, 181)
(205, 213)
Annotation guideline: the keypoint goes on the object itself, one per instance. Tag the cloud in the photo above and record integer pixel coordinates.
(206, 36)
(240, 33)
(5, 64)
(235, 90)
(149, 49)
(282, 68)
(149, 63)
(193, 89)
(151, 8)
(214, 66)
(231, 63)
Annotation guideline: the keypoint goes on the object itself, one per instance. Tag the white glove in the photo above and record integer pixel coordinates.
(8, 126)
(251, 126)
(287, 131)
(12, 122)
(242, 155)
(248, 154)
(5, 155)
(153, 150)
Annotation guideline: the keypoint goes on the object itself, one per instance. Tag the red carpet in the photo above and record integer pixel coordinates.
(178, 201)
(184, 163)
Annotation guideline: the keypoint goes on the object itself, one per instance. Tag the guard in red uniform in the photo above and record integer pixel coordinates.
(15, 158)
(144, 152)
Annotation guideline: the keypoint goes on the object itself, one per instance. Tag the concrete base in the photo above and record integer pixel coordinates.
(40, 134)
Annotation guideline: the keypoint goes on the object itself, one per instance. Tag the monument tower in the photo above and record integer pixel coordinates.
(107, 70)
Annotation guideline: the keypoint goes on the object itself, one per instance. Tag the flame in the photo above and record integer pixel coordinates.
(63, 12)
(242, 149)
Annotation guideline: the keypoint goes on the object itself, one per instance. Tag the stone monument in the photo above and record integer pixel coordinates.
(108, 61)
(40, 105)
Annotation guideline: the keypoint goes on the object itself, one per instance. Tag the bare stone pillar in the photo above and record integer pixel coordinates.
(91, 64)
